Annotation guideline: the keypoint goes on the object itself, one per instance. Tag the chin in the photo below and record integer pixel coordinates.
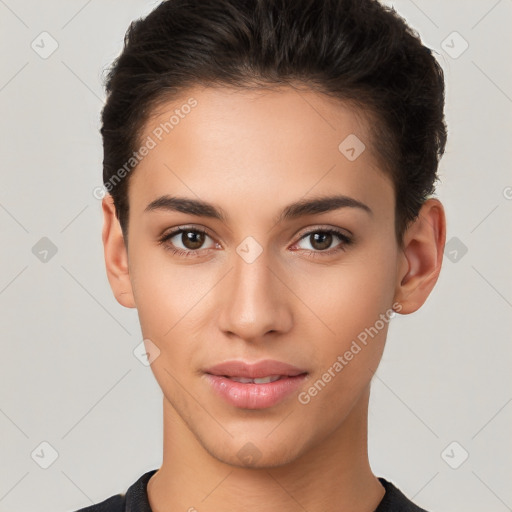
(257, 454)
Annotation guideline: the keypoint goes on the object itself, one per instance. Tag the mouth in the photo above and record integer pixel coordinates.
(255, 386)
(261, 380)
(261, 372)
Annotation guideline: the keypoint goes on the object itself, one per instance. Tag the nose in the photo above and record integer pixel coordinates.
(255, 300)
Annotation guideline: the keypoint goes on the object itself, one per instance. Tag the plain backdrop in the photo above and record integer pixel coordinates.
(441, 409)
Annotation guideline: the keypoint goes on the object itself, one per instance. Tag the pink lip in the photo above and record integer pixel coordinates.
(256, 370)
(252, 395)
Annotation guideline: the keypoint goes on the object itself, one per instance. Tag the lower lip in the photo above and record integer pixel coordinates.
(254, 396)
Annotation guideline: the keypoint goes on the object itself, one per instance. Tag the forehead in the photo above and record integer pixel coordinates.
(253, 148)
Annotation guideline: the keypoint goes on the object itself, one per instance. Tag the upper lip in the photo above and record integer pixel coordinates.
(257, 370)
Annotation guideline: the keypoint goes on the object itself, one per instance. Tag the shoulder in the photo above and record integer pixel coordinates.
(395, 500)
(113, 504)
(135, 498)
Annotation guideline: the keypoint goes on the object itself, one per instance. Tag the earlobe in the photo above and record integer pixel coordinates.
(116, 255)
(422, 257)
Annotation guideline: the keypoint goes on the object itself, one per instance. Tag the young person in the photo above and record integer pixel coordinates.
(270, 166)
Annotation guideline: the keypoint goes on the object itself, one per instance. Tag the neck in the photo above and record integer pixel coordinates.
(332, 476)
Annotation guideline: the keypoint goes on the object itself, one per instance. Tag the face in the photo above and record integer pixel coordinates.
(246, 276)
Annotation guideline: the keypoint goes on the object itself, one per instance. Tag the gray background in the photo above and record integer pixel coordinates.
(69, 376)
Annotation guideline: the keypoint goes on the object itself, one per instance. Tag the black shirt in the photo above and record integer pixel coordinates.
(136, 499)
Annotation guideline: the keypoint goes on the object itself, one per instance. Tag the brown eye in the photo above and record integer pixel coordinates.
(186, 241)
(192, 240)
(321, 240)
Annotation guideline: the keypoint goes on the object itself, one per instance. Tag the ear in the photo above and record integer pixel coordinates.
(421, 258)
(116, 255)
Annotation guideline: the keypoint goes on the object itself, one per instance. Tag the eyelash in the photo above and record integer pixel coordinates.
(345, 239)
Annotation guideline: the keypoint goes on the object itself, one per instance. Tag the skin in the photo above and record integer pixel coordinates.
(252, 153)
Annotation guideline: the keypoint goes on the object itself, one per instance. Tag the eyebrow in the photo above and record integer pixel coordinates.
(295, 210)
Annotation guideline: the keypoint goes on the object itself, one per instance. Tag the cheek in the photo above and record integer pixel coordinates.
(359, 313)
(173, 303)
(168, 300)
(352, 295)
(165, 293)
(355, 303)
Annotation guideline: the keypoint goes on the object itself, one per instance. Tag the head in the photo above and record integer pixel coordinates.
(236, 120)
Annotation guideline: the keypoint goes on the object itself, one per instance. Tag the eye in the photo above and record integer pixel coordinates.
(321, 240)
(191, 239)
